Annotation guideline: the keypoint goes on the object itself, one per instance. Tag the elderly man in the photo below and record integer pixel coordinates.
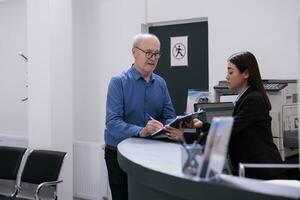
(138, 103)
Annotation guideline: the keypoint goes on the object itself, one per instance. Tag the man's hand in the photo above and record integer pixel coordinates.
(151, 127)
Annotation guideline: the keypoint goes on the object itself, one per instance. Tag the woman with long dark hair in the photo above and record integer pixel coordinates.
(251, 138)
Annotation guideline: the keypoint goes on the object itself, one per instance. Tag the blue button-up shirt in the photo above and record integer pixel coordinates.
(130, 102)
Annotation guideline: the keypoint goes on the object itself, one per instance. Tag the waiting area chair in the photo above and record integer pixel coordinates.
(39, 177)
(10, 161)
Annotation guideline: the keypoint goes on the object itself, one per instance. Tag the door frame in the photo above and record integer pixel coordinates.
(145, 26)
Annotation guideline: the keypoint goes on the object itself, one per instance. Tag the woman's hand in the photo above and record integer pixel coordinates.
(195, 123)
(175, 134)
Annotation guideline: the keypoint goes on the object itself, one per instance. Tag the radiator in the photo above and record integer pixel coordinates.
(90, 175)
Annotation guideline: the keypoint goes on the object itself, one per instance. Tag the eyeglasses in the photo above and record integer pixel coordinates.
(150, 54)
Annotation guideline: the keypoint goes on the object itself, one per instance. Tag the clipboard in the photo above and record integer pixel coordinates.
(175, 123)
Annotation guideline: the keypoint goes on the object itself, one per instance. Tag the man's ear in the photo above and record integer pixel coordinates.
(133, 50)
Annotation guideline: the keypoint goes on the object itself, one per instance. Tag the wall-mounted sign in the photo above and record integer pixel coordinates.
(179, 51)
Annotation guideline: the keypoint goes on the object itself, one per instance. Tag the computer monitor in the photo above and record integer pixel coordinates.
(216, 109)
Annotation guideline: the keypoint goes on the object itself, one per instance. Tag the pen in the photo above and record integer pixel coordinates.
(150, 117)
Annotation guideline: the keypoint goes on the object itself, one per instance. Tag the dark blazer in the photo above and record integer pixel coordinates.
(251, 138)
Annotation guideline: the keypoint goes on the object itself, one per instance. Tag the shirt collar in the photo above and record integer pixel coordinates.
(239, 96)
(136, 75)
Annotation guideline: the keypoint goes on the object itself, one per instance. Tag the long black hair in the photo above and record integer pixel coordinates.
(246, 61)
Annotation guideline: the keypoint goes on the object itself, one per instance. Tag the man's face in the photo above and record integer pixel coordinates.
(146, 55)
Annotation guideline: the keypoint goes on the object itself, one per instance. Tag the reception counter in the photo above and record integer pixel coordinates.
(154, 172)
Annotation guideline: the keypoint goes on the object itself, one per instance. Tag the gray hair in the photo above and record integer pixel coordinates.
(142, 36)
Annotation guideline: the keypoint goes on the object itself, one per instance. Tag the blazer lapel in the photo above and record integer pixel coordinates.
(239, 102)
(235, 108)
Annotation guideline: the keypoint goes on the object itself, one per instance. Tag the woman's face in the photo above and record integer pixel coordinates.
(235, 79)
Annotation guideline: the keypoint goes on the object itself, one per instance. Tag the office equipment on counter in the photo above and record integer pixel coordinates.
(243, 166)
(196, 96)
(216, 147)
(191, 158)
(216, 109)
(283, 96)
(270, 85)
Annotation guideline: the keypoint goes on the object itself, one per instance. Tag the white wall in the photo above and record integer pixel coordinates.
(268, 28)
(103, 32)
(50, 92)
(102, 39)
(102, 36)
(13, 77)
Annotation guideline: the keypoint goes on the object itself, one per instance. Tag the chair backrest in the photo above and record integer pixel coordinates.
(10, 160)
(42, 166)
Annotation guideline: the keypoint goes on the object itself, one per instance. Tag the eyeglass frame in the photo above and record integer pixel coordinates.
(150, 54)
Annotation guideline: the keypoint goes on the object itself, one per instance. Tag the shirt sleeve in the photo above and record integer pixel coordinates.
(115, 124)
